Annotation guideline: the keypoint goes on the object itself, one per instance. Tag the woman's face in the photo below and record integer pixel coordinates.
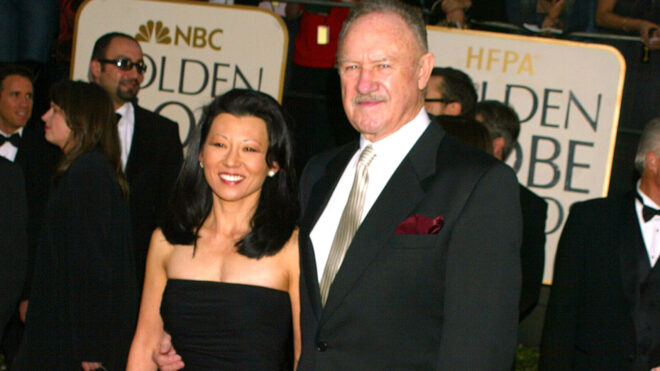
(234, 157)
(57, 130)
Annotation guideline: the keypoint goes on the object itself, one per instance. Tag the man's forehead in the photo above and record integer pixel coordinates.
(123, 47)
(16, 83)
(379, 24)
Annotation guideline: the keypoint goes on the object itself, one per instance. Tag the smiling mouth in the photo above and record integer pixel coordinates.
(231, 178)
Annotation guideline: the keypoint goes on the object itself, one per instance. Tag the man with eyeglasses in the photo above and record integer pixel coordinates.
(150, 144)
(450, 92)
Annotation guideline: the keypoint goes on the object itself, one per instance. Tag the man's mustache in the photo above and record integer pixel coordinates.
(371, 98)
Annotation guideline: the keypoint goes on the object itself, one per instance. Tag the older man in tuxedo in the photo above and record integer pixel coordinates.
(604, 308)
(416, 266)
(409, 240)
(151, 152)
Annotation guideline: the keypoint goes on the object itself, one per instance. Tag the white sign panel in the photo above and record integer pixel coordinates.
(567, 95)
(193, 51)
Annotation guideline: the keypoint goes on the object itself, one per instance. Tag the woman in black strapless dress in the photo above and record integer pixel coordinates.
(222, 273)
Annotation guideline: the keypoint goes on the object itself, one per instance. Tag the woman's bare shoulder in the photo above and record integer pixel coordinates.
(290, 250)
(159, 246)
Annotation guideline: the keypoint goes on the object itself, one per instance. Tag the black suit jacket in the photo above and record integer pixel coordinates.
(444, 301)
(37, 158)
(532, 252)
(13, 238)
(152, 167)
(589, 323)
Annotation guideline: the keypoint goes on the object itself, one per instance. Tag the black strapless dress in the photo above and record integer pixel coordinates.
(227, 326)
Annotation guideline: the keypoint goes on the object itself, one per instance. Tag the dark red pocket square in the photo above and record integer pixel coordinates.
(420, 224)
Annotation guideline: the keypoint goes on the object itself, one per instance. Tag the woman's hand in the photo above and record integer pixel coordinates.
(650, 34)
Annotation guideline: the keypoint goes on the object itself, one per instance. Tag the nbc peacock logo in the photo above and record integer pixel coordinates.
(160, 33)
(192, 36)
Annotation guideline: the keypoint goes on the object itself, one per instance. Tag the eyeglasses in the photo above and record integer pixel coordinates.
(125, 64)
(439, 100)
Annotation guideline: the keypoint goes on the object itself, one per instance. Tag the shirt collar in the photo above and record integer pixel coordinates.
(125, 109)
(19, 131)
(646, 200)
(399, 143)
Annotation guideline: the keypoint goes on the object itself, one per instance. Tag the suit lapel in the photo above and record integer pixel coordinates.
(318, 199)
(630, 241)
(397, 200)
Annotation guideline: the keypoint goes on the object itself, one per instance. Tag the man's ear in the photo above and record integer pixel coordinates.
(652, 163)
(453, 109)
(424, 69)
(94, 70)
(498, 147)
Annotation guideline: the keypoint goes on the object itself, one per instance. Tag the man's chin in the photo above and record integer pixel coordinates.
(127, 97)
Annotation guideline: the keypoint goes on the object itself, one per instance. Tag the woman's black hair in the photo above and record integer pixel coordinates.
(277, 212)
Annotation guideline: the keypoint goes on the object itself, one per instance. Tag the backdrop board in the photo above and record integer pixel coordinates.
(567, 95)
(194, 51)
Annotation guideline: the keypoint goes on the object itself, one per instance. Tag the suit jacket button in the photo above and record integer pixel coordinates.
(321, 346)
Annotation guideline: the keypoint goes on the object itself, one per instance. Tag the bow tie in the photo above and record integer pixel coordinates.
(647, 212)
(14, 139)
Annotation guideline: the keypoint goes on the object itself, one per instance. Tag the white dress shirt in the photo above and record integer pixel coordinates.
(125, 128)
(390, 151)
(7, 150)
(649, 229)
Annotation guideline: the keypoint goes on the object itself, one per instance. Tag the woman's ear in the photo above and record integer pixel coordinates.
(273, 169)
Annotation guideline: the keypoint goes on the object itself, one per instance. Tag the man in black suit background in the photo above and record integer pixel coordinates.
(450, 92)
(150, 143)
(22, 142)
(430, 279)
(604, 307)
(13, 239)
(504, 127)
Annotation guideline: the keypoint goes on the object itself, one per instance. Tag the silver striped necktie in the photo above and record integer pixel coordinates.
(349, 222)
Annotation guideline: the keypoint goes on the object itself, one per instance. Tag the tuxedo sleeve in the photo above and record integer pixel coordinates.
(13, 239)
(559, 330)
(482, 282)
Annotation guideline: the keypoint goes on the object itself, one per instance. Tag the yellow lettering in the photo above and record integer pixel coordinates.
(213, 33)
(199, 39)
(492, 58)
(510, 57)
(478, 57)
(178, 33)
(526, 65)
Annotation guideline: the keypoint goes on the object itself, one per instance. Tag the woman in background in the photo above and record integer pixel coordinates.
(83, 303)
(222, 274)
(631, 16)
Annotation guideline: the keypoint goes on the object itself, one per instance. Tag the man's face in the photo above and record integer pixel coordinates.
(434, 91)
(123, 86)
(15, 103)
(383, 73)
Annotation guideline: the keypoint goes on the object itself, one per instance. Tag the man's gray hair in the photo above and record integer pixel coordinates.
(501, 121)
(411, 16)
(649, 142)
